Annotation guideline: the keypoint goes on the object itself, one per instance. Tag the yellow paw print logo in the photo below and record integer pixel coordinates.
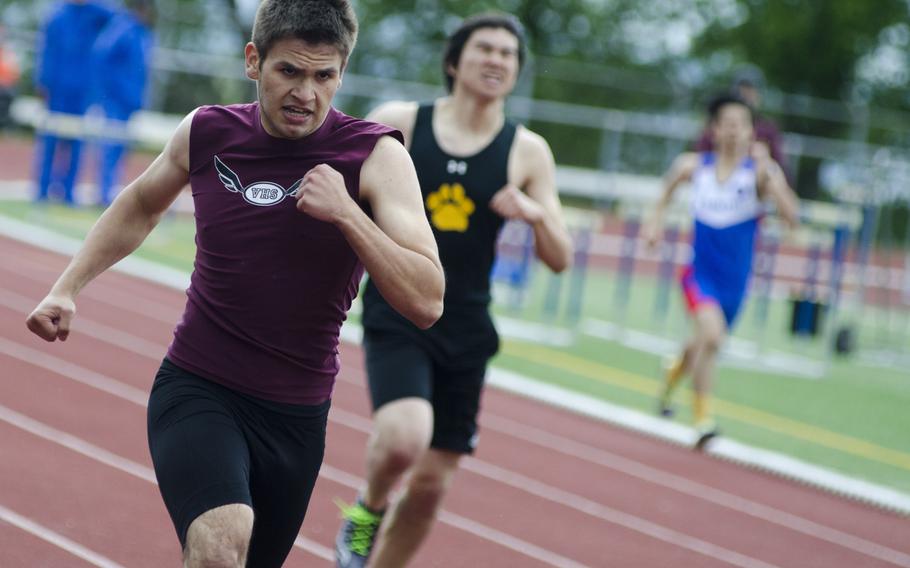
(450, 208)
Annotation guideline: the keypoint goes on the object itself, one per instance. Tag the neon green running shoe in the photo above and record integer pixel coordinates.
(357, 534)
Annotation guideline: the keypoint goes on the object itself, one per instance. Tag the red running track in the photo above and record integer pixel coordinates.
(546, 488)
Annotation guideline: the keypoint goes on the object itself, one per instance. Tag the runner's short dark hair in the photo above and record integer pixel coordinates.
(331, 22)
(723, 99)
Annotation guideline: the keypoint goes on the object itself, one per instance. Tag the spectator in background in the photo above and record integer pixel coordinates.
(119, 62)
(66, 40)
(9, 78)
(748, 84)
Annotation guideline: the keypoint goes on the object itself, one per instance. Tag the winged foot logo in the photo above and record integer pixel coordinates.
(259, 193)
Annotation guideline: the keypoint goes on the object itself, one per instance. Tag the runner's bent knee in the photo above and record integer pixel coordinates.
(403, 429)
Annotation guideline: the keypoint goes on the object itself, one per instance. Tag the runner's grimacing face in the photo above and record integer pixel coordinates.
(297, 82)
(733, 128)
(488, 64)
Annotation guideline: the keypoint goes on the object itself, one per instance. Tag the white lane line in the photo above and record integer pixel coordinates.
(127, 466)
(49, 240)
(89, 327)
(780, 464)
(74, 372)
(538, 437)
(509, 541)
(76, 444)
(685, 486)
(581, 504)
(112, 386)
(785, 466)
(668, 480)
(56, 539)
(647, 473)
(109, 459)
(99, 291)
(482, 531)
(315, 548)
(874, 494)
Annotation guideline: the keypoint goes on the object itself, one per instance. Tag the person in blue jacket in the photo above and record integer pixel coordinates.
(120, 61)
(69, 31)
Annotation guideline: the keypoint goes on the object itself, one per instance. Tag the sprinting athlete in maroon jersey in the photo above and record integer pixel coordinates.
(237, 413)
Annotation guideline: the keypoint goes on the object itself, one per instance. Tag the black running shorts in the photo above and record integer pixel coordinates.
(400, 367)
(212, 446)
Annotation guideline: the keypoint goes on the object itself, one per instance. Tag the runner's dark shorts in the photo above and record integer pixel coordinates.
(212, 446)
(400, 365)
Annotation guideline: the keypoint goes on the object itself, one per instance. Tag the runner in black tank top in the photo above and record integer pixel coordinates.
(456, 194)
(476, 170)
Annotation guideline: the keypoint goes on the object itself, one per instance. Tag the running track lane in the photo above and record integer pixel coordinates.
(546, 488)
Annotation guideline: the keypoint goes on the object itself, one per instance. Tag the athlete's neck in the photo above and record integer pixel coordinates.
(728, 159)
(463, 127)
(733, 154)
(472, 115)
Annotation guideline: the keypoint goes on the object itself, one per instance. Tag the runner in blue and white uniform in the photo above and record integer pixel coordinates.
(728, 188)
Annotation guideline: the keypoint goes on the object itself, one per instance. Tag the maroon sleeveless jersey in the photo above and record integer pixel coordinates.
(271, 286)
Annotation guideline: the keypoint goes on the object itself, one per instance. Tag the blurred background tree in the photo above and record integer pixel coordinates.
(828, 63)
(641, 54)
(836, 69)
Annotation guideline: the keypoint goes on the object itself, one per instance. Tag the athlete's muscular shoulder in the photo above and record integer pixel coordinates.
(689, 160)
(529, 143)
(530, 157)
(766, 167)
(178, 148)
(684, 166)
(400, 115)
(157, 187)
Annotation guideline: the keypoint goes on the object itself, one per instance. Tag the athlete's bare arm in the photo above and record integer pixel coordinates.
(117, 233)
(398, 249)
(400, 115)
(772, 183)
(681, 171)
(533, 169)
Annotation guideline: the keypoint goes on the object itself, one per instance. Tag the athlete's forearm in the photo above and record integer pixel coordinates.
(681, 171)
(658, 211)
(411, 281)
(552, 243)
(782, 194)
(787, 203)
(118, 232)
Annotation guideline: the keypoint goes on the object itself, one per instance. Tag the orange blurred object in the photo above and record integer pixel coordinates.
(9, 69)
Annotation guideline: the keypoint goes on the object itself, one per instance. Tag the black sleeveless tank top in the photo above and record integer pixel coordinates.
(456, 195)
